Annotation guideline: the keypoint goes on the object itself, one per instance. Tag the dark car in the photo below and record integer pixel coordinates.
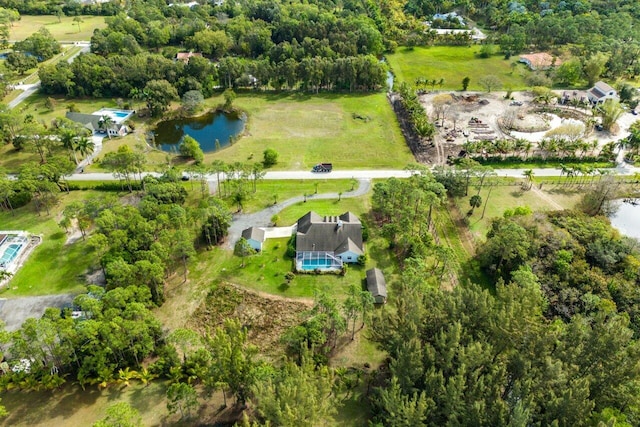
(322, 167)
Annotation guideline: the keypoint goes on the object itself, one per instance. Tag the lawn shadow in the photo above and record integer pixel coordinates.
(143, 395)
(58, 235)
(517, 194)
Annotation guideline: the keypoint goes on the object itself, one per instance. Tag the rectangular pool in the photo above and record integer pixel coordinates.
(10, 253)
(118, 116)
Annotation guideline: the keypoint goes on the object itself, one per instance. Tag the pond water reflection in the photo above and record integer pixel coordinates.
(627, 218)
(205, 129)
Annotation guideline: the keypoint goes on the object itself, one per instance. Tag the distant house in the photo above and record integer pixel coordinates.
(540, 61)
(190, 4)
(600, 92)
(95, 123)
(186, 56)
(449, 16)
(474, 33)
(575, 97)
(325, 243)
(255, 237)
(377, 285)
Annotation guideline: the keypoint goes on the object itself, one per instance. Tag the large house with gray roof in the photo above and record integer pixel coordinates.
(96, 124)
(324, 243)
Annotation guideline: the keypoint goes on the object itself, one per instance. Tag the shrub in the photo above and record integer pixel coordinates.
(362, 260)
(270, 157)
(291, 247)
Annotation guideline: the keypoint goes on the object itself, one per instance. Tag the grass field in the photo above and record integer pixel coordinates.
(505, 197)
(306, 130)
(65, 30)
(269, 191)
(53, 267)
(454, 63)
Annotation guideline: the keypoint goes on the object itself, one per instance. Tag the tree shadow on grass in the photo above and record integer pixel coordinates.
(57, 236)
(517, 194)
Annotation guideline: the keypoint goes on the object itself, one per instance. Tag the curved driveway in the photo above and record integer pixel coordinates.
(263, 218)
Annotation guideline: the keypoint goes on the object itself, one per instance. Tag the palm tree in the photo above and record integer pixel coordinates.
(84, 146)
(475, 201)
(529, 175)
(105, 123)
(68, 140)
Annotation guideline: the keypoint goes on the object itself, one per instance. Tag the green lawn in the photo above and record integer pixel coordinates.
(11, 160)
(306, 130)
(65, 30)
(53, 267)
(454, 63)
(505, 197)
(270, 191)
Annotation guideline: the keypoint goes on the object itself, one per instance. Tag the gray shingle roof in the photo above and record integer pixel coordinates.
(329, 233)
(600, 89)
(253, 233)
(90, 121)
(376, 284)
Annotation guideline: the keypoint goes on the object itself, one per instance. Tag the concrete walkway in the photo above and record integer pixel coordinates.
(262, 218)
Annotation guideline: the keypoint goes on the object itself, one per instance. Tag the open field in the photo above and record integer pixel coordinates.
(306, 130)
(453, 63)
(505, 197)
(65, 30)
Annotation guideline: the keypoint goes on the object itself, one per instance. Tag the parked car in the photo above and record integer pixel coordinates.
(599, 127)
(516, 103)
(322, 167)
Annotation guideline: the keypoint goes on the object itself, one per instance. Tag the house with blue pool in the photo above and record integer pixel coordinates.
(109, 121)
(325, 243)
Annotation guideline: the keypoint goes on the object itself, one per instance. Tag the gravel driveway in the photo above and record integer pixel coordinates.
(14, 311)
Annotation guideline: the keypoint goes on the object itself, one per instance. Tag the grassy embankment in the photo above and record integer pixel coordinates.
(454, 63)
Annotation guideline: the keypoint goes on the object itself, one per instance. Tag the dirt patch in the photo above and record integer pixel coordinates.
(266, 316)
(96, 278)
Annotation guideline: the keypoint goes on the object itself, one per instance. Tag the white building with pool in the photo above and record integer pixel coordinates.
(108, 121)
(15, 246)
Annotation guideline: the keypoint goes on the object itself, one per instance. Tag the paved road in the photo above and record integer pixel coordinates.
(263, 218)
(14, 311)
(356, 174)
(30, 89)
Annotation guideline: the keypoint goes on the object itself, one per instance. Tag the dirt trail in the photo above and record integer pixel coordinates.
(546, 198)
(465, 234)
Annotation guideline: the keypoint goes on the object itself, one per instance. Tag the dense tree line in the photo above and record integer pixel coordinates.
(98, 76)
(470, 357)
(582, 264)
(117, 331)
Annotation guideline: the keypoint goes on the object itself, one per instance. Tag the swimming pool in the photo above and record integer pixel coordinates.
(10, 253)
(118, 116)
(323, 264)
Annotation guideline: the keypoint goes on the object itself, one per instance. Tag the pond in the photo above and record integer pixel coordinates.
(205, 129)
(627, 218)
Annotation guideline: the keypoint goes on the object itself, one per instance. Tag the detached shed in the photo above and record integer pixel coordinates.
(377, 285)
(255, 237)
